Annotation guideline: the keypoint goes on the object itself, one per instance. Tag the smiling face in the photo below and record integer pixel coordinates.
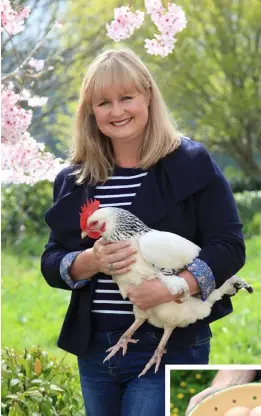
(121, 114)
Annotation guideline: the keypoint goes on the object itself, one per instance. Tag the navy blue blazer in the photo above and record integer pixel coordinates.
(184, 193)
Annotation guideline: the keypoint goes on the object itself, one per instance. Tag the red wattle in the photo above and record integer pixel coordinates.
(94, 234)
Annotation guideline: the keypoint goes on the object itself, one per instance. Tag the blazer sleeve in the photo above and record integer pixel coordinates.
(54, 250)
(50, 263)
(220, 229)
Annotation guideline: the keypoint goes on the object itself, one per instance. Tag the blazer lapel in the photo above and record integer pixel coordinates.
(148, 204)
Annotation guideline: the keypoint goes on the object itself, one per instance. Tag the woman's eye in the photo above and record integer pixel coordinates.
(122, 99)
(94, 223)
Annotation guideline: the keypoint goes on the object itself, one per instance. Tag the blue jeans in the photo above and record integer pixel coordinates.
(114, 389)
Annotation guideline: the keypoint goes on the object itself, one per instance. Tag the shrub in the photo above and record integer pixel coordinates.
(34, 384)
(249, 206)
(240, 182)
(23, 210)
(245, 184)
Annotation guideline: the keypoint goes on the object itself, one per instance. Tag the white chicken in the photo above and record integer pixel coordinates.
(159, 255)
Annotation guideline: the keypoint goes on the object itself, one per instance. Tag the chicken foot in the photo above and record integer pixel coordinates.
(157, 356)
(124, 339)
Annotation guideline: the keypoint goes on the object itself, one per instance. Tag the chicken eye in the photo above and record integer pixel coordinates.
(94, 223)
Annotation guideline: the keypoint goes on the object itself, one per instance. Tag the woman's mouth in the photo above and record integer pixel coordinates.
(122, 122)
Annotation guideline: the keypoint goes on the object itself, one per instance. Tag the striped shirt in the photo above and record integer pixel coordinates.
(119, 191)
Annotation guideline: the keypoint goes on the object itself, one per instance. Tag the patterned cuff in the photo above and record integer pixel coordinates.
(65, 266)
(203, 276)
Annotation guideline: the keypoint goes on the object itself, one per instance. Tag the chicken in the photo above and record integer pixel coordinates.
(159, 255)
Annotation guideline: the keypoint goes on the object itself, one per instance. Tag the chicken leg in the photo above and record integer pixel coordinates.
(124, 339)
(160, 350)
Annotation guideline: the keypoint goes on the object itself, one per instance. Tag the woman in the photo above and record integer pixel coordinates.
(127, 153)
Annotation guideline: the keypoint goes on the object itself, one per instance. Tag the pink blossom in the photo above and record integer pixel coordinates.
(169, 23)
(161, 45)
(153, 6)
(27, 162)
(38, 64)
(124, 23)
(11, 20)
(15, 119)
(23, 159)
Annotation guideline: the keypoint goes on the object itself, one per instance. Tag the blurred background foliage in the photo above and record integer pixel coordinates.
(211, 81)
(24, 208)
(184, 384)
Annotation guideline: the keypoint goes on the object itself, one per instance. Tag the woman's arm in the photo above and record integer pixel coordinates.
(61, 273)
(84, 266)
(227, 378)
(220, 229)
(223, 249)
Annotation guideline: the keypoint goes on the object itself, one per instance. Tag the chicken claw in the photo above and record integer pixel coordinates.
(155, 359)
(122, 343)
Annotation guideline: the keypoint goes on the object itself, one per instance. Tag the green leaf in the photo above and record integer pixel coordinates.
(47, 409)
(34, 395)
(56, 388)
(26, 367)
(4, 388)
(16, 411)
(37, 381)
(12, 412)
(11, 396)
(14, 382)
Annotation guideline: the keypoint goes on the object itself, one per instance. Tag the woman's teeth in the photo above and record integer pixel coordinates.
(121, 123)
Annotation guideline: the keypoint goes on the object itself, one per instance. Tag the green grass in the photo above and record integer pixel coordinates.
(236, 338)
(33, 312)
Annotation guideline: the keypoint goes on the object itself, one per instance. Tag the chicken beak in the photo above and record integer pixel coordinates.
(83, 234)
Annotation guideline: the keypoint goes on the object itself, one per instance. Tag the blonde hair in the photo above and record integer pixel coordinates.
(93, 150)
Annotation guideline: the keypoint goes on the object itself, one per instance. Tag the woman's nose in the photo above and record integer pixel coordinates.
(116, 109)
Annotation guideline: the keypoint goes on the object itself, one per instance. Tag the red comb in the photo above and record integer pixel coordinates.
(87, 210)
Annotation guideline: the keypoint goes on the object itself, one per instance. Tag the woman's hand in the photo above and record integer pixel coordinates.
(113, 258)
(199, 397)
(151, 293)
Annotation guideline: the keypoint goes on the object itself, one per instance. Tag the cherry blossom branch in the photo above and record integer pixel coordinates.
(169, 20)
(27, 59)
(23, 159)
(13, 46)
